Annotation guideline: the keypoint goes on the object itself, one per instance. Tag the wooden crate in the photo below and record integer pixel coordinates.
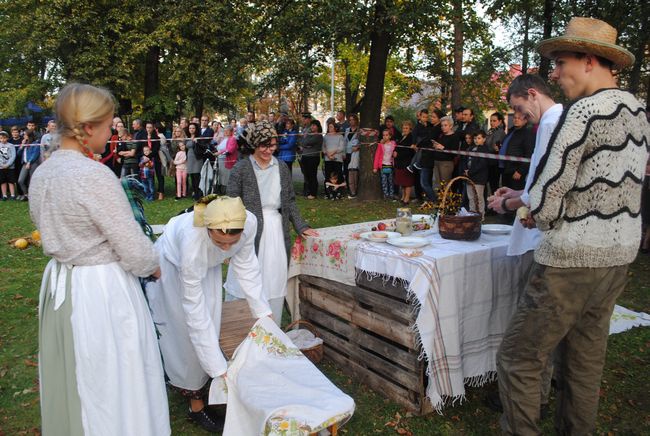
(366, 331)
(236, 322)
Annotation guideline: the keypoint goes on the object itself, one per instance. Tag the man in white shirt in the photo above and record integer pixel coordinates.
(186, 302)
(528, 94)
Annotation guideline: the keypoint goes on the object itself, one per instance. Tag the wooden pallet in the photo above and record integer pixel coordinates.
(236, 322)
(366, 331)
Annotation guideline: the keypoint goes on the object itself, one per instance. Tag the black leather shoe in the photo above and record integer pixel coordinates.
(209, 423)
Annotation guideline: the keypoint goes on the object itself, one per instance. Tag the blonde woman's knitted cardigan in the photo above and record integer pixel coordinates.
(586, 193)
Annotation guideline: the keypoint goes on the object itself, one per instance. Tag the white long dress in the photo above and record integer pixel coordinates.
(186, 301)
(271, 253)
(91, 298)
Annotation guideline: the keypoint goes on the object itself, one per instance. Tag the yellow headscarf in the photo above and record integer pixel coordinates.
(221, 213)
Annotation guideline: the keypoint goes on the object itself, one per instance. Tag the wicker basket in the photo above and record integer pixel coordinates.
(315, 353)
(466, 228)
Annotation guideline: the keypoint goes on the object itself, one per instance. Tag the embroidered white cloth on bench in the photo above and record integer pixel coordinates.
(273, 389)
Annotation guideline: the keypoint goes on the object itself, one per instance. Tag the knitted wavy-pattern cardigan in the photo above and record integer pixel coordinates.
(586, 192)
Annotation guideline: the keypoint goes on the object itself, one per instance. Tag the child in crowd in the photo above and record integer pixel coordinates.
(181, 171)
(477, 171)
(147, 172)
(7, 159)
(333, 187)
(352, 156)
(126, 150)
(384, 158)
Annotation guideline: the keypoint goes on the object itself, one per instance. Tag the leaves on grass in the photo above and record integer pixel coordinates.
(31, 363)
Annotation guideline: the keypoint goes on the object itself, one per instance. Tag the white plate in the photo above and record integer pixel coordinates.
(496, 229)
(408, 242)
(371, 236)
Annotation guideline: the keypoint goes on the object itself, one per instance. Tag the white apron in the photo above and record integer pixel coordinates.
(119, 372)
(272, 257)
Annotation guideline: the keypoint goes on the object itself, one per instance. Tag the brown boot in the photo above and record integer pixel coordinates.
(161, 196)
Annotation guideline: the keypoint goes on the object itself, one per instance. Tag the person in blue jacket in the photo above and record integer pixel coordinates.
(287, 144)
(31, 157)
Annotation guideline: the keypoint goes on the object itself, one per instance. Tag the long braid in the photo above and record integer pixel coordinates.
(81, 139)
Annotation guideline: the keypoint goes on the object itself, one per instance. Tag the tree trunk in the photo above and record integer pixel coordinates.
(304, 98)
(458, 54)
(151, 78)
(369, 186)
(545, 63)
(639, 55)
(348, 87)
(198, 106)
(524, 51)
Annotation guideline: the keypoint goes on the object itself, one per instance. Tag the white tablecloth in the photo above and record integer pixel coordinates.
(466, 293)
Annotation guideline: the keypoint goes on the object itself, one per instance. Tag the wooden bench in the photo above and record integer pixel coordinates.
(236, 322)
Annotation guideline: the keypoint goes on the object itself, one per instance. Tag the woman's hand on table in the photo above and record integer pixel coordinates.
(309, 232)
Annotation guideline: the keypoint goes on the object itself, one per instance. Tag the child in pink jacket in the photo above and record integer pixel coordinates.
(384, 162)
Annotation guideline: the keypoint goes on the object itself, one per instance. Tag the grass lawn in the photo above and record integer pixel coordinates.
(624, 407)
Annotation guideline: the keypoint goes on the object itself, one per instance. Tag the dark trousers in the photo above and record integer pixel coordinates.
(160, 178)
(18, 165)
(333, 167)
(309, 171)
(494, 174)
(346, 162)
(195, 178)
(418, 186)
(290, 166)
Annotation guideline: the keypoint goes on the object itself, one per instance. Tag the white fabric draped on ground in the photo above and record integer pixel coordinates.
(624, 319)
(273, 389)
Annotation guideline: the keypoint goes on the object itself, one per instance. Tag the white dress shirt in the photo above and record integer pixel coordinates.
(522, 239)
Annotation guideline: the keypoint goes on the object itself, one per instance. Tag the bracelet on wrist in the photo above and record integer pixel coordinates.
(504, 205)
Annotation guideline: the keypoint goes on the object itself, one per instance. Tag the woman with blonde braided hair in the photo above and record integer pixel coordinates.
(99, 364)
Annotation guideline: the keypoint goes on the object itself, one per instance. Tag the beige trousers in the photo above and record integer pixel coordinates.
(568, 309)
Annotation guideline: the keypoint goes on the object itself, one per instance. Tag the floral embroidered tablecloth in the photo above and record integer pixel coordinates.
(272, 389)
(331, 255)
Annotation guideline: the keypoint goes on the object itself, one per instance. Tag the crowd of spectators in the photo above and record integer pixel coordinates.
(410, 161)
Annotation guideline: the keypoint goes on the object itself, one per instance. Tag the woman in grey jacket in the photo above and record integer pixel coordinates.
(266, 188)
(310, 150)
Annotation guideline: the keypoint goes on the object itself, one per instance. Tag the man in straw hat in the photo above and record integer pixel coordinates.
(585, 198)
(186, 301)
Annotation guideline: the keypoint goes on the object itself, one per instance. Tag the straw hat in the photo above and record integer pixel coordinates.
(588, 35)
